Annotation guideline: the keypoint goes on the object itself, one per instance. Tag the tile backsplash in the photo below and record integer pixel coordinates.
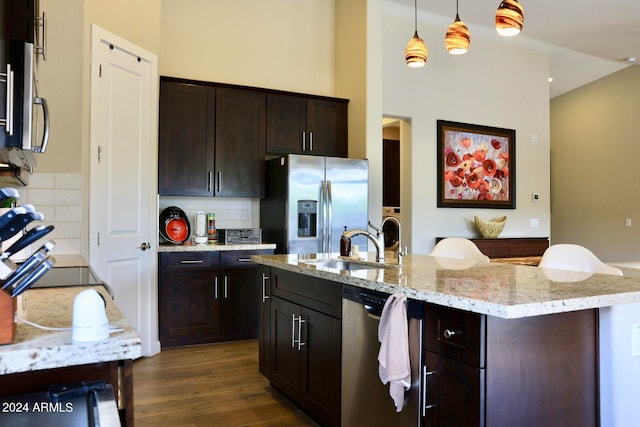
(230, 212)
(59, 197)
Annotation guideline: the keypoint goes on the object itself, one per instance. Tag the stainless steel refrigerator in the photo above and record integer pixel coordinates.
(310, 199)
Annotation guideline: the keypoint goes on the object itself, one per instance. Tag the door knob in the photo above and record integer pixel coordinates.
(145, 245)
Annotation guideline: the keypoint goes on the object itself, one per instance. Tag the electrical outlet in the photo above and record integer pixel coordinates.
(627, 222)
(534, 222)
(535, 197)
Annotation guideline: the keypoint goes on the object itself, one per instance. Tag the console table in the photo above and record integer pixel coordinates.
(520, 250)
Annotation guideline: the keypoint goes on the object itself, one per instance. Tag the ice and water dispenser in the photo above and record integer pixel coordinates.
(307, 215)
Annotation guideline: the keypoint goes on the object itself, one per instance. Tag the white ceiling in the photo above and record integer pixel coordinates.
(587, 39)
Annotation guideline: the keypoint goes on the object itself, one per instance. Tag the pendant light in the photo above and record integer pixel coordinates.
(416, 53)
(509, 18)
(458, 37)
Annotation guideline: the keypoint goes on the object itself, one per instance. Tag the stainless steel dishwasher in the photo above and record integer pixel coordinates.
(365, 400)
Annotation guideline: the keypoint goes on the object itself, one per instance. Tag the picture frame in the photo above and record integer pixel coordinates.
(476, 166)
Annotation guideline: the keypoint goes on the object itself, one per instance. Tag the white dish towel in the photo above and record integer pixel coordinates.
(393, 358)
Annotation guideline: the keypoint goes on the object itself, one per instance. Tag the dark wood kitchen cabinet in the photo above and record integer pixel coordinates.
(306, 344)
(207, 296)
(311, 125)
(240, 142)
(211, 140)
(186, 137)
(486, 371)
(264, 335)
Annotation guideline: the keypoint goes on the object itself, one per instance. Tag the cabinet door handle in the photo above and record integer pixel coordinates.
(425, 406)
(243, 260)
(265, 297)
(300, 322)
(225, 288)
(190, 261)
(219, 181)
(210, 182)
(8, 78)
(448, 333)
(310, 141)
(293, 331)
(215, 288)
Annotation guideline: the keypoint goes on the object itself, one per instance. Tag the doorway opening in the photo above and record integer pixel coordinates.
(396, 181)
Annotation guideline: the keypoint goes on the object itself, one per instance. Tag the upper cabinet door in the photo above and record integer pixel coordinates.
(186, 139)
(240, 142)
(302, 124)
(327, 126)
(286, 124)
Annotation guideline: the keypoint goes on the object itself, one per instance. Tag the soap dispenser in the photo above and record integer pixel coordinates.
(345, 244)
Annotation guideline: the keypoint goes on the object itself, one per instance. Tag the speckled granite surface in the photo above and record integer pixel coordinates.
(497, 289)
(36, 349)
(214, 247)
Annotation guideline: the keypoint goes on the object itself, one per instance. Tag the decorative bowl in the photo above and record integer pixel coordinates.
(491, 228)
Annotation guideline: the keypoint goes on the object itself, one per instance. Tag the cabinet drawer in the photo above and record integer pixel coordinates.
(528, 247)
(241, 259)
(322, 295)
(456, 334)
(186, 261)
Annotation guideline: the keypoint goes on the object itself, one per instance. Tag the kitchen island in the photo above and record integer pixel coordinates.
(38, 358)
(523, 341)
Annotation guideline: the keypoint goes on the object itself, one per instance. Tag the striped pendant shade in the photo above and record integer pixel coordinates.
(458, 37)
(416, 53)
(509, 18)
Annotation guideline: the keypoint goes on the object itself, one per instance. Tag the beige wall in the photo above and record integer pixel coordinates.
(594, 171)
(279, 44)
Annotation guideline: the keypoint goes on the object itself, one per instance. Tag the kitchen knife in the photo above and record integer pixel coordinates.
(17, 223)
(33, 277)
(8, 194)
(8, 216)
(30, 237)
(29, 264)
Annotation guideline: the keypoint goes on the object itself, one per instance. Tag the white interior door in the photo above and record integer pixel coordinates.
(123, 171)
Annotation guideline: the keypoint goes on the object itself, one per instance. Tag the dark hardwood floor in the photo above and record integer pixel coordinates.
(209, 385)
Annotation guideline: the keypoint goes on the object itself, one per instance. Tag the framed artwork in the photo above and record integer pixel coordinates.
(476, 166)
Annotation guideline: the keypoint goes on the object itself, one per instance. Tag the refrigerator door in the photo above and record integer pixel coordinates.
(348, 199)
(306, 175)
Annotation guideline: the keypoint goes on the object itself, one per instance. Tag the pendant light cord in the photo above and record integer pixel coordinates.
(415, 7)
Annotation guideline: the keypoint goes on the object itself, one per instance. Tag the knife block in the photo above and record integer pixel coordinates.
(7, 318)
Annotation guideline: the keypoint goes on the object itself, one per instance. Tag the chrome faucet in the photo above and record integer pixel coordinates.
(377, 239)
(401, 251)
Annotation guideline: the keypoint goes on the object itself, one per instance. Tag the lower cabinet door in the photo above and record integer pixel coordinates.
(286, 357)
(241, 304)
(321, 380)
(189, 308)
(264, 336)
(454, 393)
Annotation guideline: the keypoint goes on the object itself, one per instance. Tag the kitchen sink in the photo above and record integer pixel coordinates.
(347, 265)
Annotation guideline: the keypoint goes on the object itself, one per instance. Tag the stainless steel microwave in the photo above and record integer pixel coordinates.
(18, 130)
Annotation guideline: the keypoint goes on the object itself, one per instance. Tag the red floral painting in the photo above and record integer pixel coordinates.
(475, 166)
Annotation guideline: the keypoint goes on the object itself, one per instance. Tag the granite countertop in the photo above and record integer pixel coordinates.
(496, 289)
(35, 349)
(189, 247)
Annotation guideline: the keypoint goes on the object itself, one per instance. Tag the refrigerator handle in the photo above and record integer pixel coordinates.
(323, 206)
(330, 216)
